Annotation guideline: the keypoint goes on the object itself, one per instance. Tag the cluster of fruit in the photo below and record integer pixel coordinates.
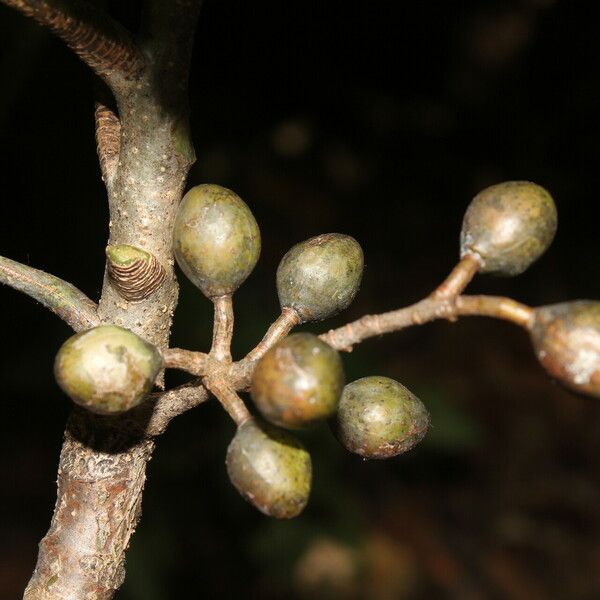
(300, 380)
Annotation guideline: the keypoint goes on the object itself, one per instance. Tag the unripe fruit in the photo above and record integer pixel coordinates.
(298, 381)
(270, 468)
(510, 225)
(216, 240)
(566, 339)
(320, 276)
(379, 418)
(107, 369)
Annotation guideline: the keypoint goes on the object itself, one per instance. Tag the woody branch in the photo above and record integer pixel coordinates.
(94, 36)
(145, 154)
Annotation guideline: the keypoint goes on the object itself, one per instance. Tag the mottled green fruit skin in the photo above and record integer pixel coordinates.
(566, 340)
(270, 468)
(320, 276)
(216, 240)
(510, 225)
(107, 369)
(298, 382)
(378, 418)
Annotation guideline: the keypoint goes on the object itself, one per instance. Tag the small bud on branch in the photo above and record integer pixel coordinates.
(108, 140)
(135, 273)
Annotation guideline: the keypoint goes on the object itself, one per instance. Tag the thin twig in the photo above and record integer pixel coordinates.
(196, 363)
(151, 418)
(429, 309)
(496, 307)
(93, 35)
(286, 321)
(460, 277)
(165, 406)
(222, 328)
(62, 298)
(228, 398)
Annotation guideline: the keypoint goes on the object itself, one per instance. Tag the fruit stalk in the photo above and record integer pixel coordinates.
(460, 277)
(228, 398)
(284, 323)
(222, 328)
(496, 307)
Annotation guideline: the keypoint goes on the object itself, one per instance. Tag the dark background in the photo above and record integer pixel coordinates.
(381, 120)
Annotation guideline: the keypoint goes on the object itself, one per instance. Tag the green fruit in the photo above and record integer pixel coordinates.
(216, 240)
(510, 225)
(270, 468)
(378, 418)
(566, 339)
(107, 369)
(320, 276)
(298, 381)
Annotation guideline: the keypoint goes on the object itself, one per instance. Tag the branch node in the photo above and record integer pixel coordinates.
(108, 141)
(135, 273)
(460, 277)
(229, 399)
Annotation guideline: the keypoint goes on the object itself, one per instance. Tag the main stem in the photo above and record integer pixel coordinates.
(102, 465)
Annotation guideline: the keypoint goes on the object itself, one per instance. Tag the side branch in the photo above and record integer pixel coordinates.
(62, 298)
(165, 406)
(496, 307)
(429, 309)
(196, 363)
(93, 35)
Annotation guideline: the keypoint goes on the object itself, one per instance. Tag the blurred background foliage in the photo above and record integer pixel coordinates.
(380, 120)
